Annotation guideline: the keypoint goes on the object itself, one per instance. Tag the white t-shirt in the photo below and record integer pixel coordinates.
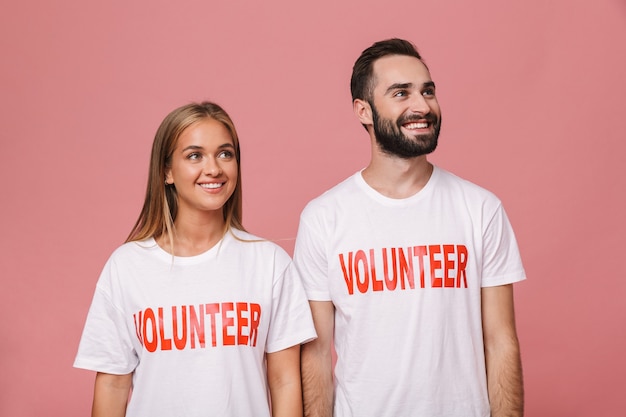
(405, 277)
(194, 330)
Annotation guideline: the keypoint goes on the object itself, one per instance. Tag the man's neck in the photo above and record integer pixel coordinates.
(396, 177)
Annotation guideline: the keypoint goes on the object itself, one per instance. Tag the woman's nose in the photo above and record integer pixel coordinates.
(212, 167)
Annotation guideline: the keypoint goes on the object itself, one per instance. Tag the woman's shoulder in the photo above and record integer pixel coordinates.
(252, 242)
(135, 248)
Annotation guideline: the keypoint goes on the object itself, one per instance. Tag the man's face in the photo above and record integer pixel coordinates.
(405, 112)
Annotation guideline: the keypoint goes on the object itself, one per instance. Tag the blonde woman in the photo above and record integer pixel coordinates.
(193, 315)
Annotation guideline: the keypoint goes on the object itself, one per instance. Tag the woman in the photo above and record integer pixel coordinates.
(194, 314)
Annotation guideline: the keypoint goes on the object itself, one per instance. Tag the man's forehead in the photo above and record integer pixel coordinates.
(399, 69)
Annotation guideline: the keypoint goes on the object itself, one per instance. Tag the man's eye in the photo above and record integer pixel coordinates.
(400, 94)
(428, 92)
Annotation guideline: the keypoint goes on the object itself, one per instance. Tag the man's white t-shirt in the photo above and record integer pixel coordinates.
(405, 277)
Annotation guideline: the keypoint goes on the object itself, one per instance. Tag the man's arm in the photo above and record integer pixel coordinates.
(111, 394)
(283, 377)
(502, 353)
(317, 374)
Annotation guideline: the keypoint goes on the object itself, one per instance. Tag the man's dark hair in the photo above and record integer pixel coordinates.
(362, 81)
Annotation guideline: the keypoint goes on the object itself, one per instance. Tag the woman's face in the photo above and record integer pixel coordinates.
(203, 169)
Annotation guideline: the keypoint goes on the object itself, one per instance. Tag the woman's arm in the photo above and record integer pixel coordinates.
(283, 377)
(111, 394)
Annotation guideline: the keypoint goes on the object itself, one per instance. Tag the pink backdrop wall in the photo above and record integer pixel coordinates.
(532, 94)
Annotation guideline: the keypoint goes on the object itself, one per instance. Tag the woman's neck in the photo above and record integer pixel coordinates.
(193, 236)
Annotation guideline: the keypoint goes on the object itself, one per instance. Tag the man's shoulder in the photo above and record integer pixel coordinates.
(340, 190)
(450, 181)
(333, 200)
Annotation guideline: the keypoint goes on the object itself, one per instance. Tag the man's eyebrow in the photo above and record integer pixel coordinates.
(398, 86)
(402, 86)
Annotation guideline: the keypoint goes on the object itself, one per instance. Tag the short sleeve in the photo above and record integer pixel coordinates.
(105, 344)
(291, 322)
(502, 262)
(310, 257)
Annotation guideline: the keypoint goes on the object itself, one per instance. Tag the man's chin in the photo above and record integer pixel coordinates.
(405, 153)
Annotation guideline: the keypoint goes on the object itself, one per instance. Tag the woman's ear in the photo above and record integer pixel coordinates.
(363, 111)
(168, 176)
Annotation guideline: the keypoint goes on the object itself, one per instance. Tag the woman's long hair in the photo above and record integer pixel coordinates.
(161, 205)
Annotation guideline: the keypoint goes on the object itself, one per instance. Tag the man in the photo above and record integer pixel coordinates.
(408, 268)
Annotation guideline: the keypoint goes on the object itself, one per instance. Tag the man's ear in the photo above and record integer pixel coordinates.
(363, 111)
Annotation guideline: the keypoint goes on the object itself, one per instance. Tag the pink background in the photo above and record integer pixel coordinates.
(533, 100)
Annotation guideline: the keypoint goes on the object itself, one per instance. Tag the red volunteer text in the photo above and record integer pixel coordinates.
(187, 327)
(435, 266)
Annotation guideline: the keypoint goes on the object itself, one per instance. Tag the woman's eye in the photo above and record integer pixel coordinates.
(225, 155)
(193, 156)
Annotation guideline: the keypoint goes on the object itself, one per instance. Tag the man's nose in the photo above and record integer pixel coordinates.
(419, 104)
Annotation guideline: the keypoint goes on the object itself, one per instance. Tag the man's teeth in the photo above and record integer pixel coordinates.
(416, 125)
(212, 185)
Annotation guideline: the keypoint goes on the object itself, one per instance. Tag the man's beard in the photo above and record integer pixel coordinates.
(392, 141)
